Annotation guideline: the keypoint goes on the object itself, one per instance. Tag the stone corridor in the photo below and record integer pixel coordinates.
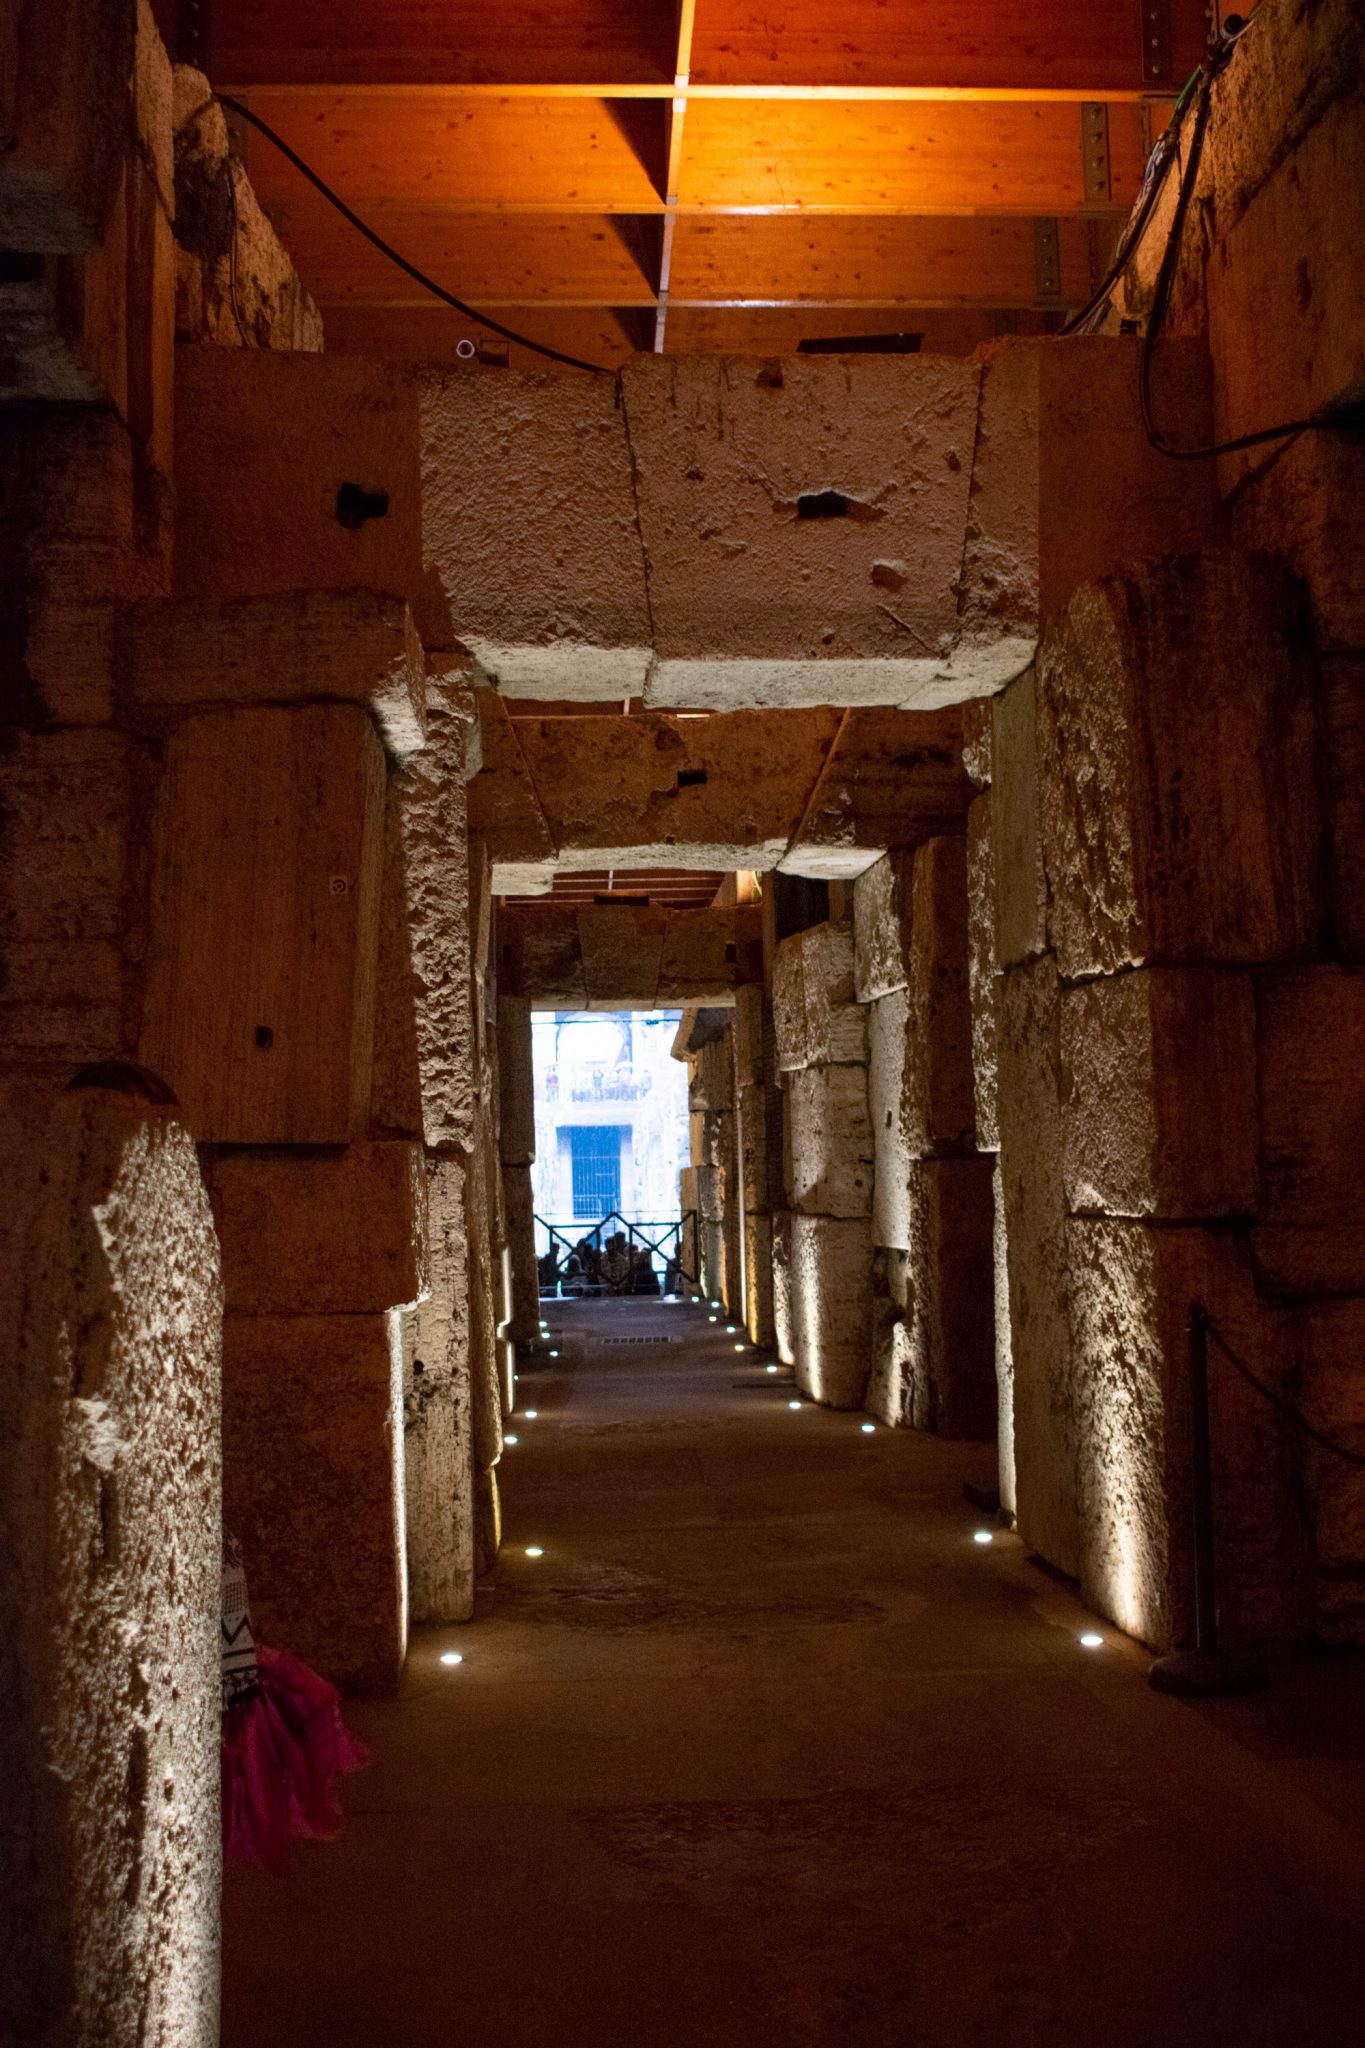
(765, 1749)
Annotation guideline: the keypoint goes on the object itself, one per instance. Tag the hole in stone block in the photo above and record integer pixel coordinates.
(355, 505)
(691, 778)
(822, 505)
(18, 267)
(265, 1037)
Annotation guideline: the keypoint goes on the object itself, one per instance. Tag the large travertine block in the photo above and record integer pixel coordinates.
(836, 1023)
(939, 1105)
(313, 1486)
(1310, 1237)
(110, 1328)
(520, 1223)
(1159, 1094)
(891, 1393)
(1132, 1286)
(1179, 804)
(516, 1083)
(949, 1373)
(1016, 829)
(1004, 1346)
(752, 1022)
(757, 594)
(882, 900)
(891, 779)
(887, 1021)
(579, 625)
(760, 1148)
(70, 808)
(336, 1232)
(395, 1109)
(352, 646)
(789, 1005)
(831, 1142)
(784, 1309)
(656, 791)
(1035, 1223)
(758, 1278)
(327, 487)
(1331, 1344)
(545, 967)
(831, 1297)
(505, 808)
(621, 955)
(1066, 487)
(703, 1139)
(706, 951)
(716, 1076)
(438, 1469)
(978, 722)
(983, 970)
(261, 977)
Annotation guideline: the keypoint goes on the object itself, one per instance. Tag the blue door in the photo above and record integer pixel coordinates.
(595, 1155)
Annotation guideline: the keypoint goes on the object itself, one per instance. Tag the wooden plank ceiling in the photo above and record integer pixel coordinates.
(703, 175)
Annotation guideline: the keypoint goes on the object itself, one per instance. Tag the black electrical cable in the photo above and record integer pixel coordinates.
(428, 284)
(1282, 1407)
(1344, 419)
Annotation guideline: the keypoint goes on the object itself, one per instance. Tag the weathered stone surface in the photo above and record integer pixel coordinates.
(620, 957)
(881, 928)
(784, 1306)
(752, 1023)
(70, 806)
(1131, 1289)
(1331, 1342)
(789, 1005)
(1310, 1237)
(355, 646)
(235, 285)
(658, 791)
(892, 779)
(1179, 804)
(831, 1141)
(519, 1220)
(983, 970)
(836, 1024)
(313, 1486)
(1066, 487)
(438, 1489)
(703, 1138)
(1035, 1223)
(949, 1367)
(758, 1278)
(110, 1324)
(1004, 1346)
(505, 807)
(715, 1084)
(1159, 1094)
(831, 1265)
(706, 951)
(890, 1390)
(265, 903)
(1016, 831)
(69, 112)
(338, 1232)
(978, 720)
(887, 1026)
(753, 602)
(579, 625)
(760, 1145)
(483, 1254)
(540, 958)
(516, 1083)
(939, 1109)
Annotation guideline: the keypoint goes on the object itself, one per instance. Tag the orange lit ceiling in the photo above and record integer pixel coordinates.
(716, 175)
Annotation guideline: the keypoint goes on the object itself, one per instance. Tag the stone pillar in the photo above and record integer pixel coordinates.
(821, 1045)
(437, 1420)
(110, 1329)
(1183, 875)
(759, 1120)
(517, 1147)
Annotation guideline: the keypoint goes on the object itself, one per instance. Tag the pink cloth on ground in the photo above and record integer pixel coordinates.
(285, 1751)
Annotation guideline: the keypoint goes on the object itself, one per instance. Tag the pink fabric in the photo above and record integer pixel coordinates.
(285, 1750)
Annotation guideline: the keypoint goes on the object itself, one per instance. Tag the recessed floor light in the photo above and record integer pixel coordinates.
(770, 1368)
(1090, 1641)
(531, 1414)
(554, 1354)
(793, 1404)
(982, 1536)
(451, 1657)
(534, 1550)
(739, 1347)
(511, 1439)
(868, 1428)
(710, 1319)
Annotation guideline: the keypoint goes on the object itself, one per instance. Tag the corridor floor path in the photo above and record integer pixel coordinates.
(765, 1749)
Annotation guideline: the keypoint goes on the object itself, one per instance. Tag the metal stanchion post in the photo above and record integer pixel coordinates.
(1203, 1672)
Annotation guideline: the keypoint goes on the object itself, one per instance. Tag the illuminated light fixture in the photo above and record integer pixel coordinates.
(982, 1536)
(710, 1319)
(534, 1550)
(531, 1414)
(1090, 1641)
(739, 1347)
(867, 1428)
(511, 1439)
(770, 1368)
(554, 1354)
(730, 1329)
(793, 1404)
(451, 1657)
(715, 1304)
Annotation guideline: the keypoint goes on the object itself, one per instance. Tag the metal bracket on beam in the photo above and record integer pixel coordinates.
(1095, 177)
(1156, 41)
(1047, 269)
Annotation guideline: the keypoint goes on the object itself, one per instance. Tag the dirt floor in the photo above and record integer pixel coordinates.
(765, 1749)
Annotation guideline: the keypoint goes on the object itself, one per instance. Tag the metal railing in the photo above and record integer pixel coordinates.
(583, 1264)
